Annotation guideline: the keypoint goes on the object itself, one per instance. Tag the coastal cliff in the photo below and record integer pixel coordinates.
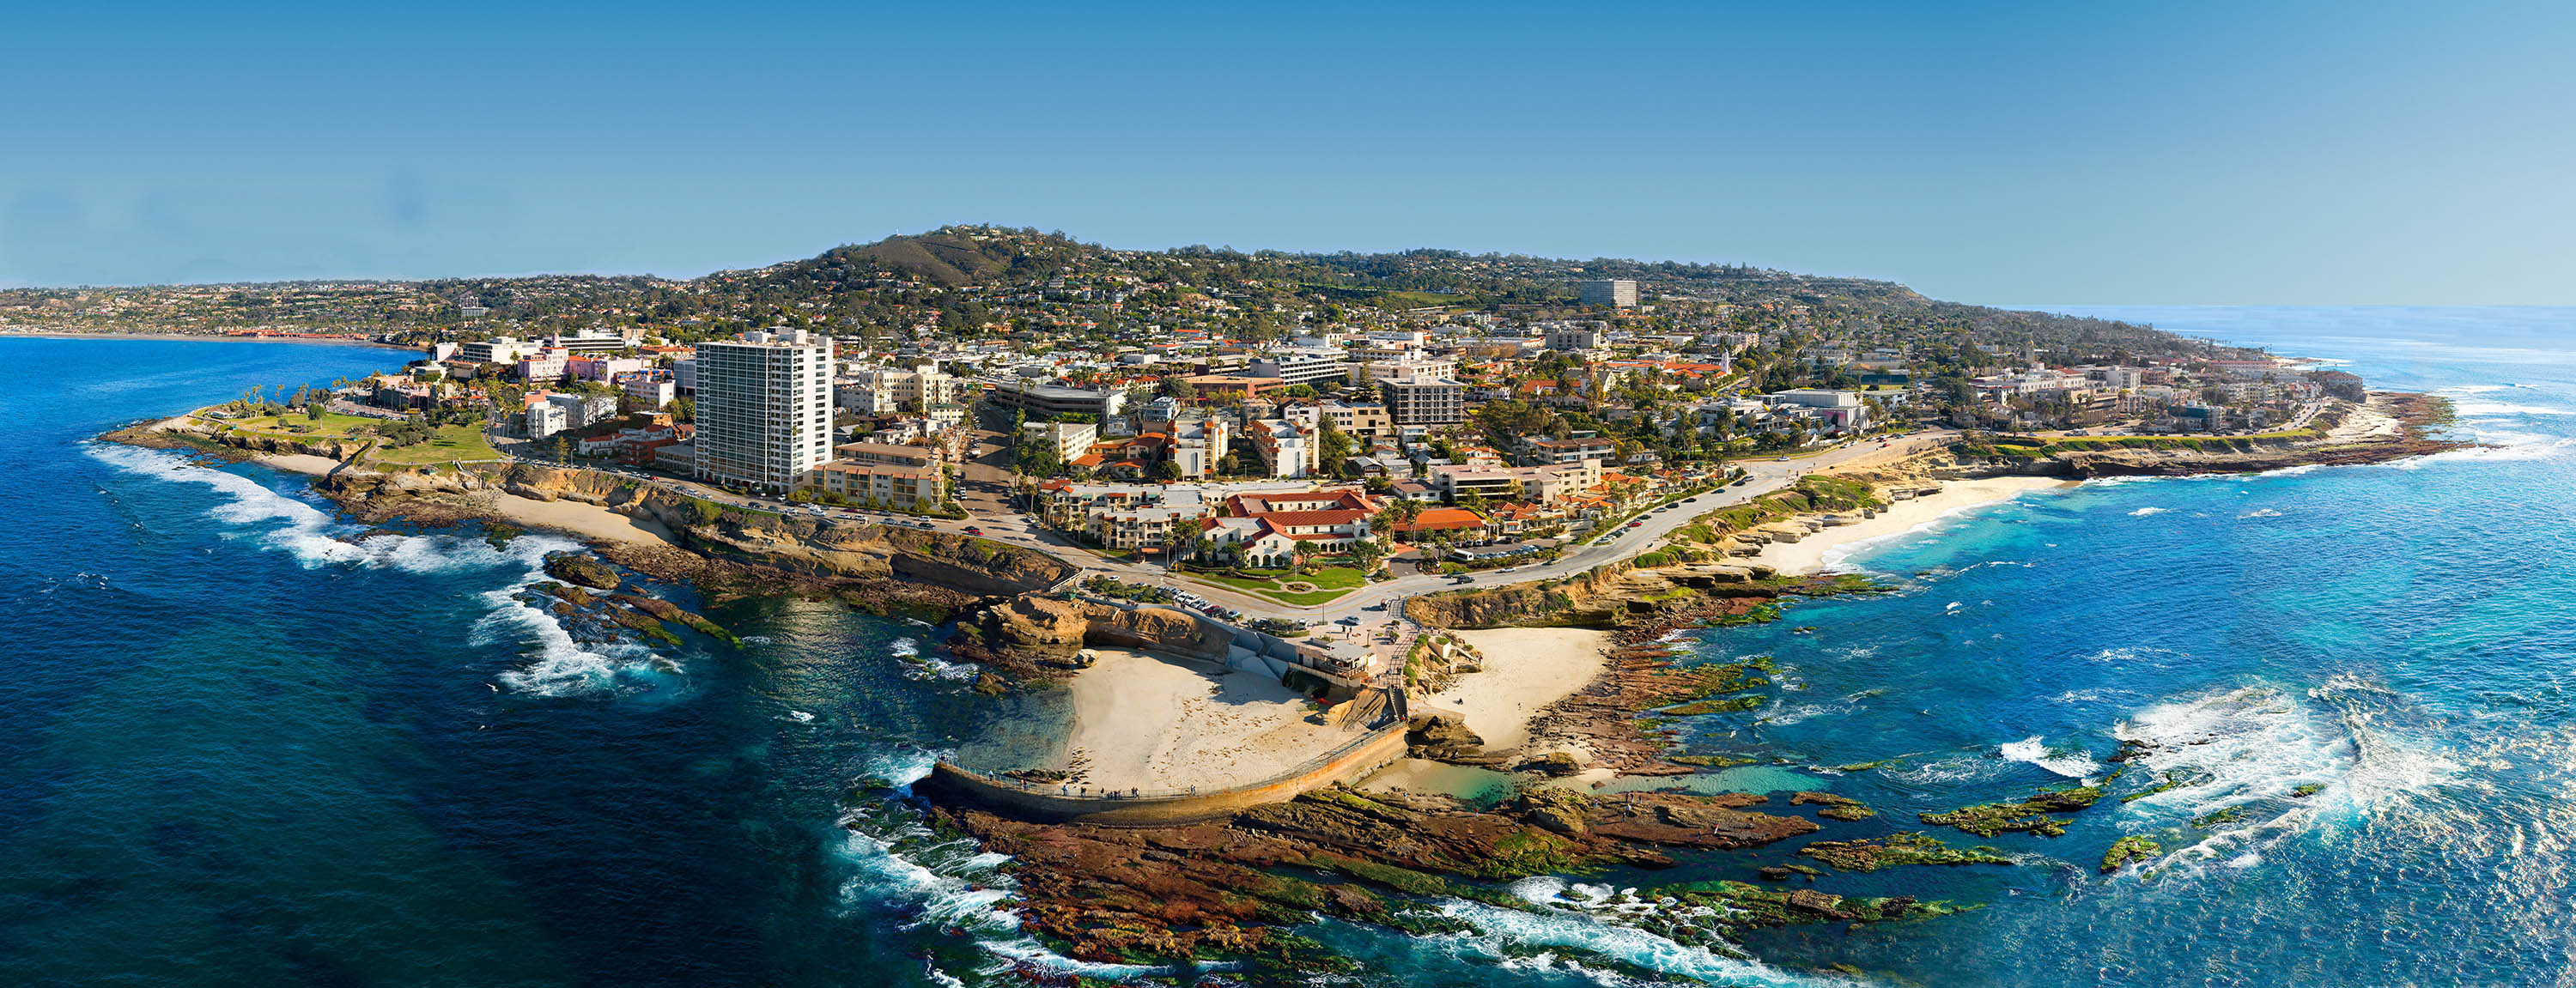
(1032, 636)
(831, 549)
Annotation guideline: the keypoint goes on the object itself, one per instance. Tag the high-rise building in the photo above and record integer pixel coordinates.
(1619, 292)
(1424, 400)
(764, 409)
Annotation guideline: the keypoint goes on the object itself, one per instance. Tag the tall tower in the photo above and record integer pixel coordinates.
(764, 409)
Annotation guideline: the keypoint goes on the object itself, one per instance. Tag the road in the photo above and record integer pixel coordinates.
(984, 489)
(984, 486)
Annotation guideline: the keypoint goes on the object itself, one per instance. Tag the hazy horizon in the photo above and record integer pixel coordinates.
(2184, 154)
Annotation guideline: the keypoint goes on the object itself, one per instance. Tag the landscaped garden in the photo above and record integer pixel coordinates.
(1290, 586)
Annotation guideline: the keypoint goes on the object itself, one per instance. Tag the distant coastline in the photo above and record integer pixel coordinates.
(56, 334)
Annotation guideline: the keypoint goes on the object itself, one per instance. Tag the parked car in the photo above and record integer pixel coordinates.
(924, 523)
(972, 530)
(1636, 523)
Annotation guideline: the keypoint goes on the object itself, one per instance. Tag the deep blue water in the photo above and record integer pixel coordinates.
(244, 743)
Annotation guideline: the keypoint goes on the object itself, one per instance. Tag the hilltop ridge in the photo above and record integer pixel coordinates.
(983, 279)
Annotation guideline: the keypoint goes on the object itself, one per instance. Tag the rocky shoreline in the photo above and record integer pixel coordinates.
(1235, 887)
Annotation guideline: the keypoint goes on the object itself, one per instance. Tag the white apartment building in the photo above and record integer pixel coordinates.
(764, 409)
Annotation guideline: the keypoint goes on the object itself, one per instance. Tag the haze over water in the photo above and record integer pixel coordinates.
(244, 743)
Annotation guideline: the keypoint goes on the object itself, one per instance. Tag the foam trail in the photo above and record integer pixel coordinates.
(1524, 938)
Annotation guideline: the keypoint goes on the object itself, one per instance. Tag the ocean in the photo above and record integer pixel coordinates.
(244, 742)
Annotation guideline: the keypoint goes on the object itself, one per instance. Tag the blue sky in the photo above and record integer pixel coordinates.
(2174, 152)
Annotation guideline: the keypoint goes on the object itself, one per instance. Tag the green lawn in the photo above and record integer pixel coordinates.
(450, 442)
(1330, 583)
(294, 425)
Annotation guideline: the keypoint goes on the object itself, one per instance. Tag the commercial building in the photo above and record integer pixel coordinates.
(1299, 366)
(886, 455)
(1843, 409)
(1576, 339)
(1070, 439)
(885, 390)
(600, 368)
(589, 341)
(544, 418)
(764, 409)
(497, 350)
(584, 411)
(1234, 385)
(1405, 366)
(1619, 292)
(1424, 401)
(1056, 399)
(650, 390)
(895, 485)
(1549, 452)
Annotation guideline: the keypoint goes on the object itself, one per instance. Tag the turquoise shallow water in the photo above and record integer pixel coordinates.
(243, 743)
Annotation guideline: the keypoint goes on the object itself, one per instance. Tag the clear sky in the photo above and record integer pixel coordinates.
(2151, 152)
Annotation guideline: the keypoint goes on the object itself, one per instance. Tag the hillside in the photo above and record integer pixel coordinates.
(969, 281)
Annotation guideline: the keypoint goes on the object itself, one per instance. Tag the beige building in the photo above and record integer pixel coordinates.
(917, 486)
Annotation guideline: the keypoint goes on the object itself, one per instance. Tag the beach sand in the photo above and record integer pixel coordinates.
(1525, 669)
(1811, 554)
(587, 520)
(298, 463)
(1153, 722)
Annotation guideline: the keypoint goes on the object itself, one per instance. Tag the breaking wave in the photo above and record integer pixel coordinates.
(558, 665)
(938, 881)
(2031, 750)
(1582, 920)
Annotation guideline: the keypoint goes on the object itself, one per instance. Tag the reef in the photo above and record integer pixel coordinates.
(2128, 849)
(2029, 815)
(1833, 807)
(1895, 850)
(1230, 887)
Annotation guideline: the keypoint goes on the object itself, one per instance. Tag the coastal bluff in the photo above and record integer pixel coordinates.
(827, 548)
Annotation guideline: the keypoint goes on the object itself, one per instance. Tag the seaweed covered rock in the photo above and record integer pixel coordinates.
(2025, 815)
(2128, 849)
(574, 567)
(1895, 850)
(1834, 807)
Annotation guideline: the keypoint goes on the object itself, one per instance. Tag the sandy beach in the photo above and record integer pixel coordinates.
(1814, 552)
(1153, 722)
(588, 520)
(1525, 669)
